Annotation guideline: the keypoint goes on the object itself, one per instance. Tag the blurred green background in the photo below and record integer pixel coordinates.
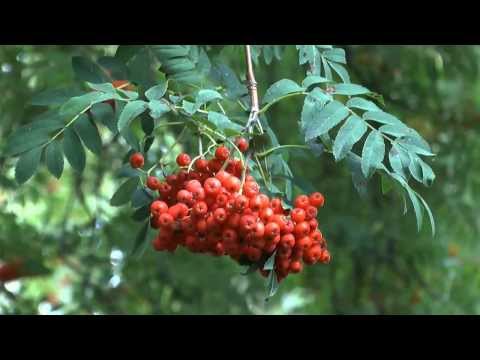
(380, 265)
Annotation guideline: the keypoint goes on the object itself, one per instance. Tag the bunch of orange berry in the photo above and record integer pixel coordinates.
(217, 208)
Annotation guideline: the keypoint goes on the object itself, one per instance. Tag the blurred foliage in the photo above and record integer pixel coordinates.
(381, 265)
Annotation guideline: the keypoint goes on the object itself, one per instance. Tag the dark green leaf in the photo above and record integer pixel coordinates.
(73, 149)
(130, 137)
(325, 119)
(141, 237)
(114, 67)
(413, 198)
(54, 96)
(54, 158)
(373, 153)
(350, 132)
(359, 181)
(87, 70)
(130, 112)
(141, 213)
(88, 132)
(125, 192)
(126, 52)
(104, 114)
(148, 125)
(27, 164)
(141, 197)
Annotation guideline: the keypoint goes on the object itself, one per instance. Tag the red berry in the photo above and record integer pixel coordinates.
(272, 229)
(296, 267)
(222, 153)
(242, 144)
(288, 240)
(183, 159)
(251, 188)
(185, 196)
(158, 207)
(302, 229)
(247, 223)
(220, 215)
(193, 185)
(233, 184)
(311, 212)
(153, 183)
(137, 160)
(201, 165)
(301, 201)
(200, 208)
(166, 220)
(298, 215)
(266, 214)
(316, 199)
(241, 203)
(212, 186)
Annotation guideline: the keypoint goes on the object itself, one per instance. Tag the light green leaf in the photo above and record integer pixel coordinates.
(189, 107)
(157, 92)
(427, 172)
(206, 95)
(27, 164)
(272, 285)
(382, 117)
(125, 192)
(223, 123)
(415, 167)
(313, 80)
(325, 119)
(415, 144)
(326, 69)
(413, 198)
(105, 87)
(350, 89)
(269, 264)
(363, 104)
(158, 108)
(281, 88)
(373, 153)
(395, 130)
(73, 149)
(77, 104)
(399, 160)
(429, 212)
(350, 132)
(130, 112)
(54, 158)
(341, 72)
(336, 54)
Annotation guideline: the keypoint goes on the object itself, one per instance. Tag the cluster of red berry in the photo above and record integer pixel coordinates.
(210, 210)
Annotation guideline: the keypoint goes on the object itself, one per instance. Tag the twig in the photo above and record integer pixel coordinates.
(252, 90)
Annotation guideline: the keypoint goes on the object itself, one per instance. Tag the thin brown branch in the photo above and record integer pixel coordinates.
(252, 90)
